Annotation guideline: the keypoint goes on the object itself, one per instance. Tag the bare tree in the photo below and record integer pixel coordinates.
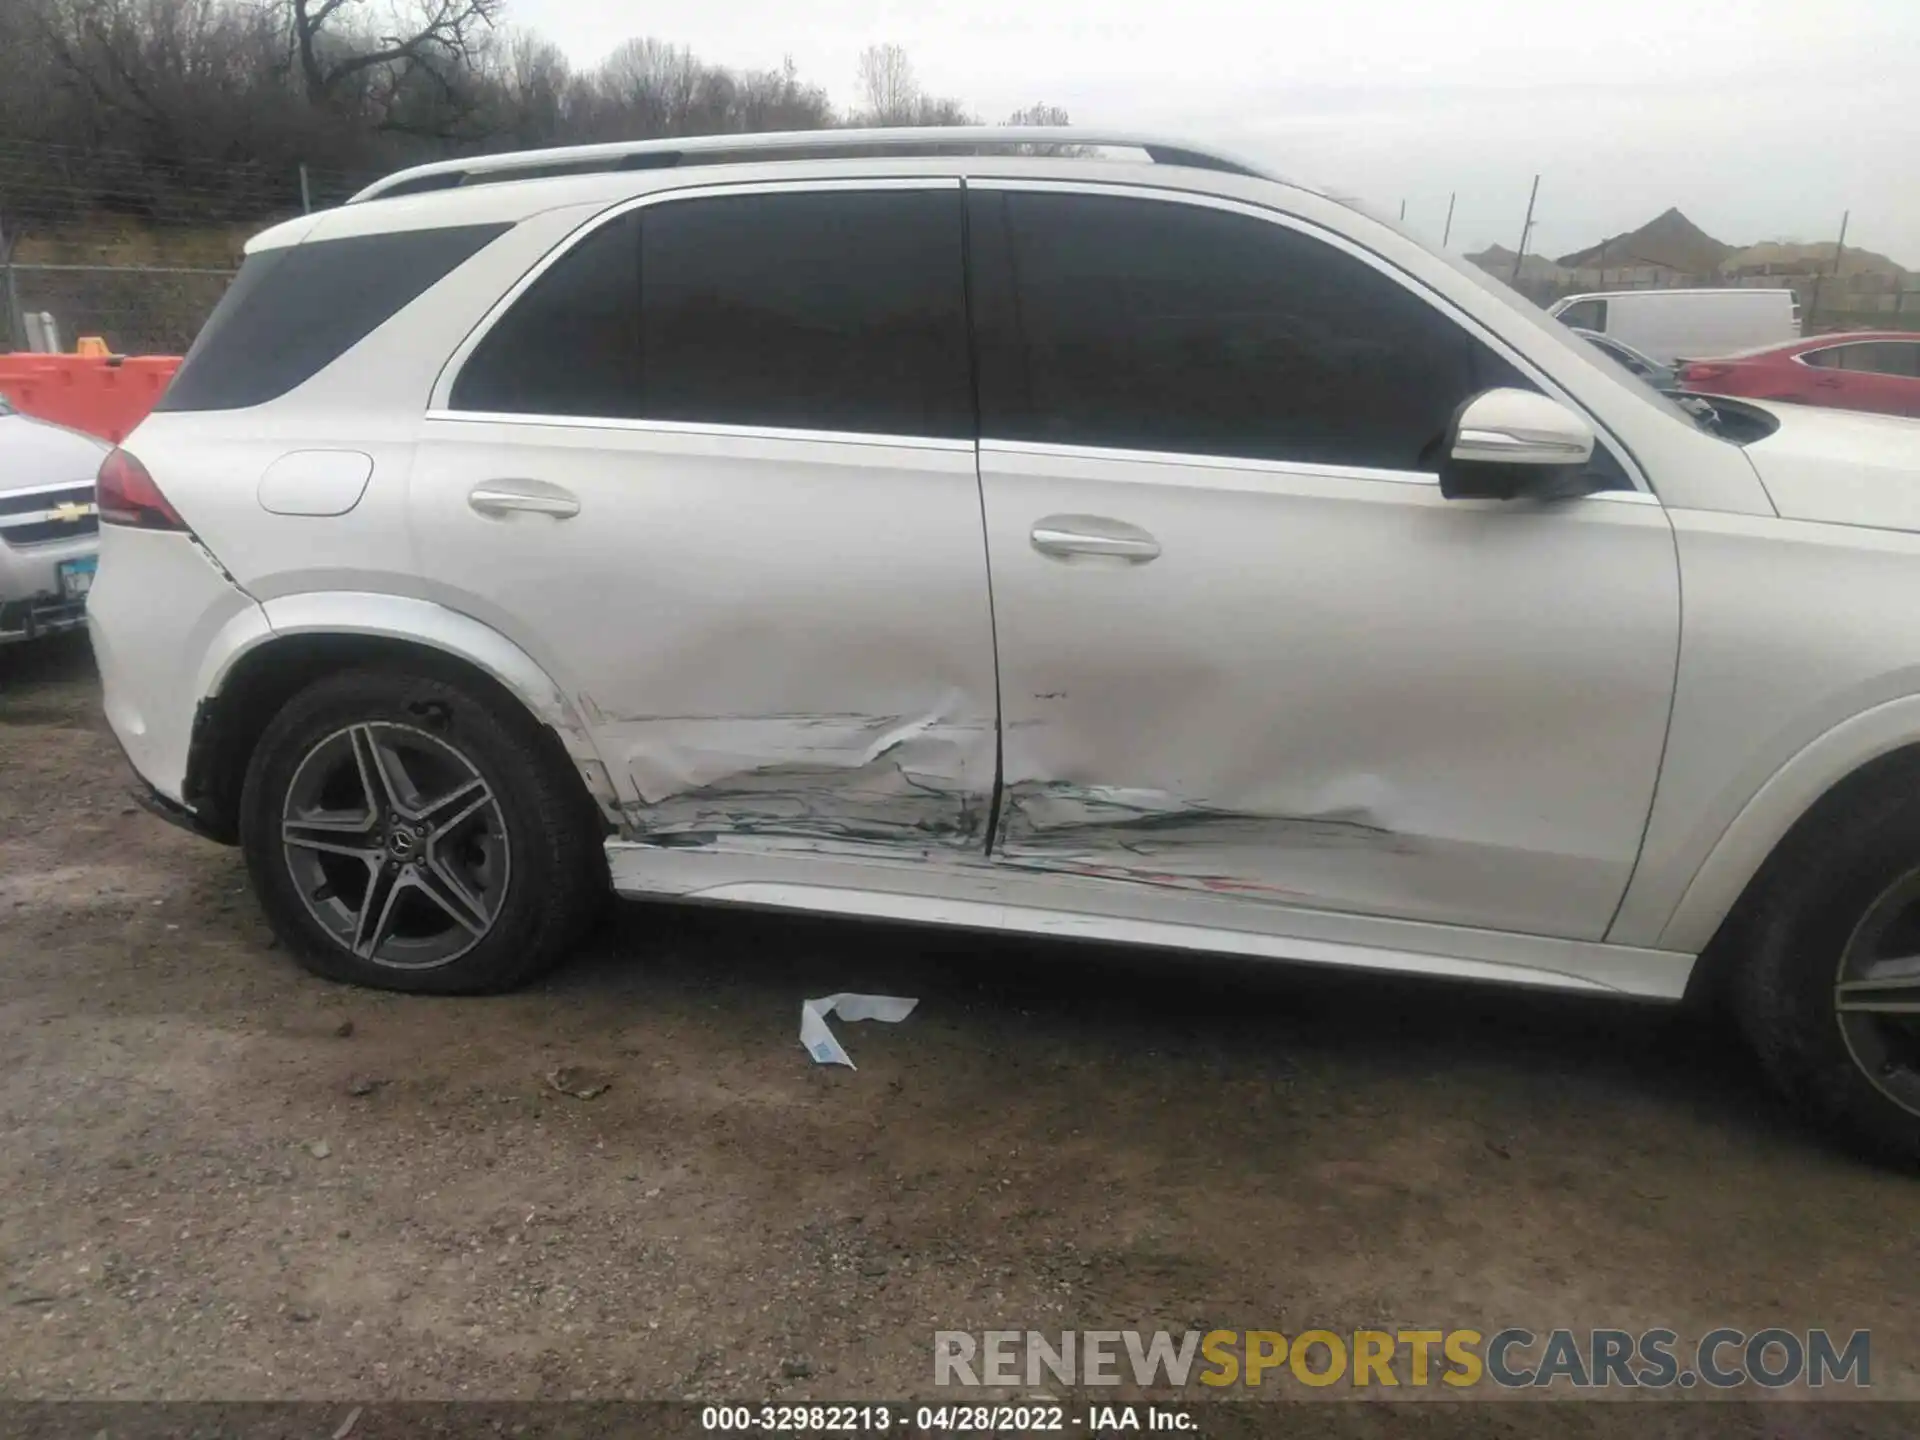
(887, 85)
(1039, 115)
(344, 52)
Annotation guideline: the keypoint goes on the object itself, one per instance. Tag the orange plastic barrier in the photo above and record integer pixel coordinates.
(105, 395)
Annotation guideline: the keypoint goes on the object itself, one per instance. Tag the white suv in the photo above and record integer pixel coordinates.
(947, 526)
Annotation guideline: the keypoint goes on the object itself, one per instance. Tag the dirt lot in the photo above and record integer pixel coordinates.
(220, 1178)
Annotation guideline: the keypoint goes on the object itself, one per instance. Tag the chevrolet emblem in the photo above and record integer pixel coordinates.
(69, 511)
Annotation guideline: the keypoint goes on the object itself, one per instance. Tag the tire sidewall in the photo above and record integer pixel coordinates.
(1786, 999)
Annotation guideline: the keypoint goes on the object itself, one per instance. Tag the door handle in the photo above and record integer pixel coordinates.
(523, 497)
(1063, 536)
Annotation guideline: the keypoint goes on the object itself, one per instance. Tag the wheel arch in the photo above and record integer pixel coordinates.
(312, 635)
(1797, 805)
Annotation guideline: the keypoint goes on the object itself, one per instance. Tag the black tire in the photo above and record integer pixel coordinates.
(1837, 888)
(528, 864)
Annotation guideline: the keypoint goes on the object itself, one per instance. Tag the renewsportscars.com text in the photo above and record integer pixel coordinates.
(1511, 1358)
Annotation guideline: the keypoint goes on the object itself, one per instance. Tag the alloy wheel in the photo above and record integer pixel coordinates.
(1876, 995)
(396, 844)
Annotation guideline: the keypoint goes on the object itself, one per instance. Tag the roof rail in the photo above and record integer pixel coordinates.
(791, 144)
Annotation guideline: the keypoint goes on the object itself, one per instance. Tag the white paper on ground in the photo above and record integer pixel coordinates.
(819, 1041)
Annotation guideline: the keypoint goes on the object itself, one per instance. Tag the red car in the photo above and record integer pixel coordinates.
(1875, 370)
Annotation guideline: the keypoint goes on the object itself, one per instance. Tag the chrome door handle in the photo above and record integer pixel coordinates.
(1063, 536)
(523, 497)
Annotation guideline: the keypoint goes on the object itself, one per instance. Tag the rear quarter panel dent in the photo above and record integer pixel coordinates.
(422, 622)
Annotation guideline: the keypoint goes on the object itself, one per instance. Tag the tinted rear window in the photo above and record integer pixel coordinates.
(830, 310)
(292, 311)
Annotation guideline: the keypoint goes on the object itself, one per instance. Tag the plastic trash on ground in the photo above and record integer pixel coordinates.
(818, 1040)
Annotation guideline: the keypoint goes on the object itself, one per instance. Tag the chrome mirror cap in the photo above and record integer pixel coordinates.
(1520, 427)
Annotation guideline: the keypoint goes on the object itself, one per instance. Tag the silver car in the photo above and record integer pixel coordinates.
(49, 533)
(1115, 543)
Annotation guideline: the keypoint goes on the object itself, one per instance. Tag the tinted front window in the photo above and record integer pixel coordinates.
(294, 310)
(1146, 325)
(826, 310)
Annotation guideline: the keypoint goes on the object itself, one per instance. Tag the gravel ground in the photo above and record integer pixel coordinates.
(223, 1179)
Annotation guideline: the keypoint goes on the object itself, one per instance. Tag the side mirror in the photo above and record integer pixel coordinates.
(1513, 445)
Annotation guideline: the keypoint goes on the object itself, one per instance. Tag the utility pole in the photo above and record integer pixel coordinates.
(1525, 231)
(16, 331)
(1447, 234)
(1810, 321)
(1403, 212)
(306, 193)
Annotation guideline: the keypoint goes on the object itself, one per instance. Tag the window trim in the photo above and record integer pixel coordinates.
(439, 405)
(1386, 269)
(715, 428)
(1802, 357)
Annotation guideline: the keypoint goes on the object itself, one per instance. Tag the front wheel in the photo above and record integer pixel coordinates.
(1830, 999)
(414, 832)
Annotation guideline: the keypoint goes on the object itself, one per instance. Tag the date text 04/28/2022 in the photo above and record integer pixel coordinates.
(1022, 1419)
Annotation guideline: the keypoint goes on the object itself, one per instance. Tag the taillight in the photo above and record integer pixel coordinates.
(126, 495)
(1694, 374)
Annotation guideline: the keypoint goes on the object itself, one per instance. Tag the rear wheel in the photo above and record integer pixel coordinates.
(415, 833)
(1831, 998)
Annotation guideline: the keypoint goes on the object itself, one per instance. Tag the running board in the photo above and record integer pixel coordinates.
(976, 896)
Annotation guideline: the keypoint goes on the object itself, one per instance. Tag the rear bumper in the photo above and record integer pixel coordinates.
(172, 811)
(39, 615)
(31, 601)
(163, 619)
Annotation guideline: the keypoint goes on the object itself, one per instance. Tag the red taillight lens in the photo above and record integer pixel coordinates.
(1694, 374)
(126, 495)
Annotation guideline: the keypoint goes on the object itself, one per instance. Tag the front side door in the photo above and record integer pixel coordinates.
(713, 467)
(1246, 647)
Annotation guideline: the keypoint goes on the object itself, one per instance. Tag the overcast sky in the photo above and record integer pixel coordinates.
(1760, 119)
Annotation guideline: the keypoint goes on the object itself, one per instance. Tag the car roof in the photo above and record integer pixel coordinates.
(1807, 343)
(506, 189)
(1852, 337)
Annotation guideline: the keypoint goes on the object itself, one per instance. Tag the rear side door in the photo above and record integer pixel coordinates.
(1246, 646)
(712, 465)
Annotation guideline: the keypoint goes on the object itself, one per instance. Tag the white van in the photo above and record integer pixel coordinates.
(1685, 324)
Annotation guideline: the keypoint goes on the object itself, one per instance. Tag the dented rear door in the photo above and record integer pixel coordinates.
(1246, 647)
(714, 468)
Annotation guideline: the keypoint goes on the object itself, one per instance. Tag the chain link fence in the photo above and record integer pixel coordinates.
(110, 244)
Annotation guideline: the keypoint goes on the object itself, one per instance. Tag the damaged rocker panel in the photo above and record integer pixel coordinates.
(896, 780)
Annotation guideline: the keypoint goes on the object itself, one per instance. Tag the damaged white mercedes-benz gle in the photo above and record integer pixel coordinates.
(1113, 543)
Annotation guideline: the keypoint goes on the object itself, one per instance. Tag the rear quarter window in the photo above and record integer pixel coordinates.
(292, 311)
